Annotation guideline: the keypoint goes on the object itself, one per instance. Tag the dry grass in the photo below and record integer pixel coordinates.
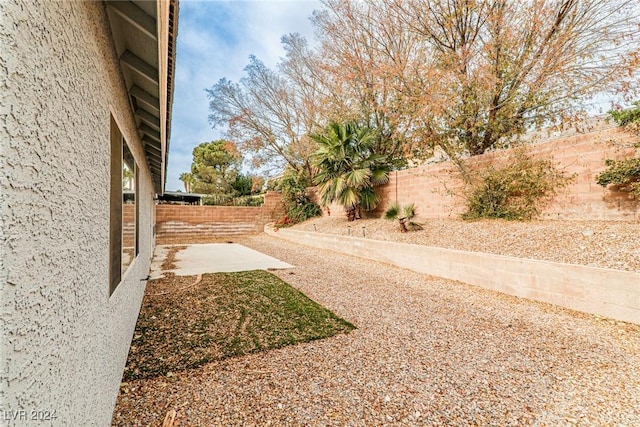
(224, 315)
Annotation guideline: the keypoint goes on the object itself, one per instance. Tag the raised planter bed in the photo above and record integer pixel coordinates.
(605, 292)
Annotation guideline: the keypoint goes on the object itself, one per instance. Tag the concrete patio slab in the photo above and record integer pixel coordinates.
(213, 258)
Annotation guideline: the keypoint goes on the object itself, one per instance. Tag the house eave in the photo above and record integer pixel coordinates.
(144, 34)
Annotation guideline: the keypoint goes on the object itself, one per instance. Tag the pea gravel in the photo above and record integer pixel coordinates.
(427, 351)
(606, 244)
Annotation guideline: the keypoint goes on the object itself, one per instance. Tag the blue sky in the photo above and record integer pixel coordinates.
(215, 39)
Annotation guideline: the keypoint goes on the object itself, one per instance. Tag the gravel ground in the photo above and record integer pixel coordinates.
(427, 351)
(608, 244)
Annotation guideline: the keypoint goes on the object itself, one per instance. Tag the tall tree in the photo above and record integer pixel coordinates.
(215, 167)
(467, 75)
(271, 112)
(187, 181)
(369, 54)
(242, 185)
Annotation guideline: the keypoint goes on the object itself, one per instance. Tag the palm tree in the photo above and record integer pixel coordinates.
(187, 180)
(348, 167)
(404, 215)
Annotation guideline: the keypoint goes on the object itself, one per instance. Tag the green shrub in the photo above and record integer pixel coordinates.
(515, 191)
(257, 200)
(404, 214)
(217, 200)
(624, 174)
(230, 200)
(296, 202)
(626, 117)
(302, 212)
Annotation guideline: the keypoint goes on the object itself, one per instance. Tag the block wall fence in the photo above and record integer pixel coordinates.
(196, 223)
(436, 189)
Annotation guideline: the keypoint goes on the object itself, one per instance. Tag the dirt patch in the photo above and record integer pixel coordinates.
(169, 262)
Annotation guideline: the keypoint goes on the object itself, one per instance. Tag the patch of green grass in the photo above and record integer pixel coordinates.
(225, 315)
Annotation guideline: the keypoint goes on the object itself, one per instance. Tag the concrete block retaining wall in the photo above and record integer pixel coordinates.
(605, 292)
(179, 222)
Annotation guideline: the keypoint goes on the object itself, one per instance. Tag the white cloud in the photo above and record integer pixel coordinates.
(215, 39)
(284, 18)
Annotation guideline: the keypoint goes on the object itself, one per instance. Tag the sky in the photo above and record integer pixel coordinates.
(215, 39)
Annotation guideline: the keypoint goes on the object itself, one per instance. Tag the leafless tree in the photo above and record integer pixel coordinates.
(270, 113)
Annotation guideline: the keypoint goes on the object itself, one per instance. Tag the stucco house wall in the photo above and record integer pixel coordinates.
(64, 338)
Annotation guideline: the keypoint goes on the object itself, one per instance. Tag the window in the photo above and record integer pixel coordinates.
(129, 213)
(123, 224)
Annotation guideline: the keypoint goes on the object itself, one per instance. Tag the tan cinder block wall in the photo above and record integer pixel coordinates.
(436, 188)
(184, 222)
(64, 339)
(128, 225)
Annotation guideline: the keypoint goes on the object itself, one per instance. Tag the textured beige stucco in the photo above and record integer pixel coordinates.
(605, 292)
(64, 340)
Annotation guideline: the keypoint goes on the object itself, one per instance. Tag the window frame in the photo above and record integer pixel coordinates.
(116, 211)
(115, 207)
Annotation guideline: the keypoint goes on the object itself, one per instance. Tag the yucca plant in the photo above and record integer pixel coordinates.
(404, 214)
